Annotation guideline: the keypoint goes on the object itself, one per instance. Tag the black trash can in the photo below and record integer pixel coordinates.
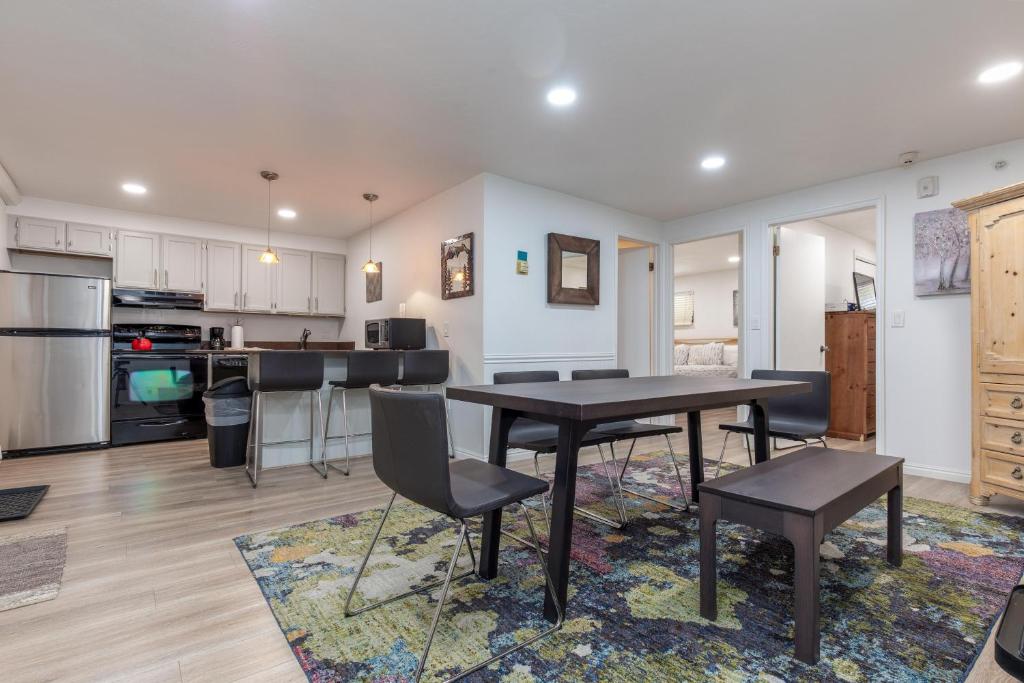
(227, 419)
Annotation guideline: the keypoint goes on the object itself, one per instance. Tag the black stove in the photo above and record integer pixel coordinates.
(157, 395)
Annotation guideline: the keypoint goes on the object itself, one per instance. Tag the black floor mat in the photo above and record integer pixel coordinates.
(19, 503)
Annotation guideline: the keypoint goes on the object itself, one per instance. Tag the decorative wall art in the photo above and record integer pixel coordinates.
(457, 267)
(942, 253)
(375, 284)
(574, 270)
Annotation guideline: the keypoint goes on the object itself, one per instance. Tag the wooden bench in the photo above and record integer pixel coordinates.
(802, 496)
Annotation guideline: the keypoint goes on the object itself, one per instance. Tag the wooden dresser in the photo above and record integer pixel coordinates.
(850, 338)
(996, 221)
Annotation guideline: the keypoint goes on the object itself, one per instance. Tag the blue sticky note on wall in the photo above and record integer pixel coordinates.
(520, 255)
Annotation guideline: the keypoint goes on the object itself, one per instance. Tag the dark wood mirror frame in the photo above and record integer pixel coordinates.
(557, 294)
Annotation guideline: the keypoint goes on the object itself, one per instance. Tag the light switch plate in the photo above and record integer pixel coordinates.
(444, 329)
(899, 318)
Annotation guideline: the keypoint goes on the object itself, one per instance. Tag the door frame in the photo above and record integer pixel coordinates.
(768, 282)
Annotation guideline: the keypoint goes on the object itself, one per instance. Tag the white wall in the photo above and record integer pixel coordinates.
(5, 262)
(409, 246)
(840, 247)
(712, 304)
(926, 364)
(257, 327)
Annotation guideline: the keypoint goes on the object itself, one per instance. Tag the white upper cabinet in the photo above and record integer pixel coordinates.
(39, 234)
(294, 275)
(257, 281)
(88, 239)
(223, 276)
(328, 284)
(138, 260)
(182, 263)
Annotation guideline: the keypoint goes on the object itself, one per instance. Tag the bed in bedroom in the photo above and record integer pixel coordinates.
(705, 357)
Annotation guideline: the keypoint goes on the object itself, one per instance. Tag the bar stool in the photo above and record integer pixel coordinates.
(426, 368)
(277, 372)
(364, 369)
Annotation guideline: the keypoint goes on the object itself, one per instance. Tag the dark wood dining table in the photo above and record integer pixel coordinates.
(578, 406)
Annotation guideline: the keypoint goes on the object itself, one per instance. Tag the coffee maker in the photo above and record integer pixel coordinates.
(217, 338)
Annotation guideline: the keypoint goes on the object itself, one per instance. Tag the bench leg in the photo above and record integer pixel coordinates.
(894, 538)
(709, 509)
(807, 564)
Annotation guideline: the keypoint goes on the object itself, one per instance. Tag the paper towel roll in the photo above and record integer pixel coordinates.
(237, 339)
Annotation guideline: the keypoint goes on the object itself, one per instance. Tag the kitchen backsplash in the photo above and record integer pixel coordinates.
(257, 327)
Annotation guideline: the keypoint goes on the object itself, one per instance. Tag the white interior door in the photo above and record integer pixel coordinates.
(634, 338)
(800, 301)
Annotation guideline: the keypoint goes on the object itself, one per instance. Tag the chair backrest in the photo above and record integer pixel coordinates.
(427, 366)
(410, 446)
(526, 376)
(372, 367)
(288, 371)
(812, 409)
(617, 373)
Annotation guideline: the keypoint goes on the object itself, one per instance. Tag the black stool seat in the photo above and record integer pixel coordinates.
(479, 487)
(288, 371)
(424, 367)
(365, 368)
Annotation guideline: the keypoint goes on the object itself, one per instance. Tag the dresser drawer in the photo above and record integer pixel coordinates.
(1002, 400)
(1002, 470)
(1005, 436)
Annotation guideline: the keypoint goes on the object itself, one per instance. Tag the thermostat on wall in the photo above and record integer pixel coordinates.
(522, 266)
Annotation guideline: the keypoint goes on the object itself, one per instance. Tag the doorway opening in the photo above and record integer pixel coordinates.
(707, 301)
(636, 346)
(825, 302)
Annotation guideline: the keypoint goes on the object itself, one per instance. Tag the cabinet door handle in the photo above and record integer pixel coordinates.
(1016, 403)
(69, 244)
(316, 304)
(245, 299)
(57, 243)
(234, 301)
(156, 278)
(167, 280)
(1017, 474)
(1017, 438)
(308, 306)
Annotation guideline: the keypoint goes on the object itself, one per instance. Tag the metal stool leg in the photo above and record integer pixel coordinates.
(613, 482)
(721, 456)
(750, 454)
(253, 437)
(312, 433)
(327, 431)
(640, 494)
(448, 420)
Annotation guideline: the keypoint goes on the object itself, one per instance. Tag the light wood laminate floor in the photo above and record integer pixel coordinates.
(154, 589)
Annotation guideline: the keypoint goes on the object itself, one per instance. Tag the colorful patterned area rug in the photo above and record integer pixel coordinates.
(634, 596)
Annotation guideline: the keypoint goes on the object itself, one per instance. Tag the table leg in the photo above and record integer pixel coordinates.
(696, 453)
(894, 537)
(501, 422)
(709, 510)
(762, 449)
(563, 494)
(806, 588)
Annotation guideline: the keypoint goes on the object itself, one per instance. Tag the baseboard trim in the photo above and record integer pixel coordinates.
(942, 473)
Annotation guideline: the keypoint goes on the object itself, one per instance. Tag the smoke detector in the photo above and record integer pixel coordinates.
(908, 158)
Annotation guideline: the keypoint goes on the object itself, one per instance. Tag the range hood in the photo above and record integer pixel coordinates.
(148, 298)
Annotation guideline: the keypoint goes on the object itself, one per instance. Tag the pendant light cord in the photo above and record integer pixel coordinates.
(269, 205)
(371, 231)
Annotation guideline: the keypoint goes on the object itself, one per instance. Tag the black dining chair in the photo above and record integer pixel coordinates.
(541, 438)
(363, 369)
(799, 417)
(631, 430)
(427, 368)
(411, 458)
(274, 372)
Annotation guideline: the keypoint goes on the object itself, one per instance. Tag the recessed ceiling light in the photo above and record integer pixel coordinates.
(734, 259)
(561, 96)
(1000, 72)
(712, 162)
(134, 188)
(286, 213)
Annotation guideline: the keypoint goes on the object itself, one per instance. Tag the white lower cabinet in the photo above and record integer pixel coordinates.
(257, 281)
(223, 276)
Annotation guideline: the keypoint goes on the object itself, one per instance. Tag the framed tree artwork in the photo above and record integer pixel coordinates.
(457, 278)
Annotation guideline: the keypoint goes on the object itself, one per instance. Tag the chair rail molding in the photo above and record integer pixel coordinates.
(582, 356)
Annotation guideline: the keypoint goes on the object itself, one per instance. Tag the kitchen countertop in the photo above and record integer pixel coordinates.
(252, 349)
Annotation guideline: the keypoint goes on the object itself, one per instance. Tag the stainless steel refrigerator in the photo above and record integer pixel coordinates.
(54, 361)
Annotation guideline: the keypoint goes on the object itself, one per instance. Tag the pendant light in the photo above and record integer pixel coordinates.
(370, 266)
(269, 256)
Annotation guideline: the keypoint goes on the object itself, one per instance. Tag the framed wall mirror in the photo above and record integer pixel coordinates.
(574, 270)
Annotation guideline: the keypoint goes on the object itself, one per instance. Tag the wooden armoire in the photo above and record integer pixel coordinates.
(850, 340)
(996, 222)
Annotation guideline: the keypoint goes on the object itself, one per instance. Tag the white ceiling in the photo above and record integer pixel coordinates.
(860, 223)
(705, 256)
(407, 98)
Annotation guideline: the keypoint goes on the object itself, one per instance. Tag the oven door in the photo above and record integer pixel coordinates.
(156, 386)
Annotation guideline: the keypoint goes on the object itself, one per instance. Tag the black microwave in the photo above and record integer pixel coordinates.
(396, 333)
